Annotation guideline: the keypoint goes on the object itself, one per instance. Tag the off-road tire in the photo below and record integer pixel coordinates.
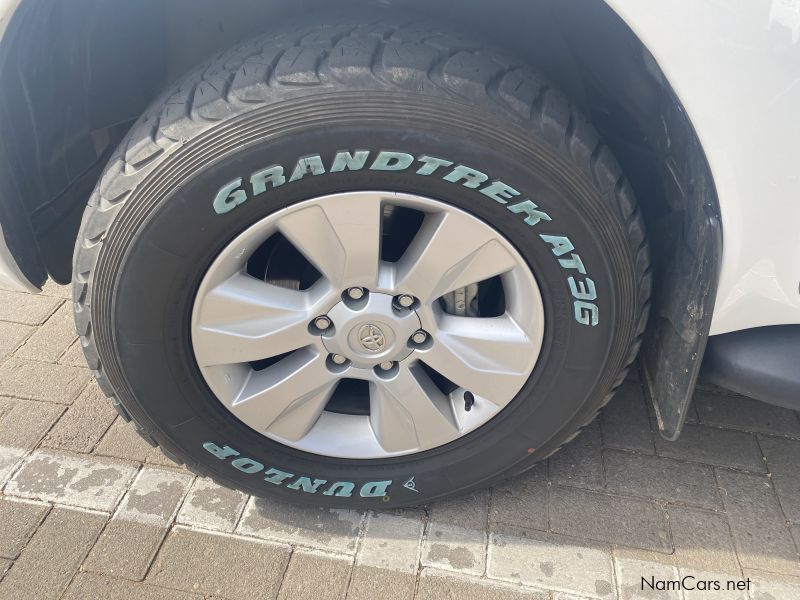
(254, 89)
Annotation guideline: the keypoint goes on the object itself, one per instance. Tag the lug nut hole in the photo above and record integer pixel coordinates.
(387, 370)
(355, 298)
(405, 302)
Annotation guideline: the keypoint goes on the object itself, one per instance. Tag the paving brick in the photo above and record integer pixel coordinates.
(10, 459)
(125, 549)
(27, 422)
(315, 577)
(553, 563)
(702, 541)
(760, 534)
(50, 559)
(6, 405)
(468, 511)
(631, 575)
(71, 480)
(74, 356)
(455, 549)
(154, 497)
(580, 463)
(391, 542)
(11, 336)
(41, 381)
(783, 460)
(219, 565)
(130, 541)
(52, 339)
(522, 500)
(335, 530)
(661, 478)
(89, 586)
(51, 288)
(737, 412)
(19, 521)
(625, 521)
(368, 583)
(211, 506)
(84, 423)
(624, 421)
(768, 586)
(715, 447)
(122, 441)
(29, 309)
(440, 586)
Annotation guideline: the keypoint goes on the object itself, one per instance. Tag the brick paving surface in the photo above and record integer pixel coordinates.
(89, 510)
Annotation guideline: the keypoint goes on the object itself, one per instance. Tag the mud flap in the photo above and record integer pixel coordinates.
(683, 302)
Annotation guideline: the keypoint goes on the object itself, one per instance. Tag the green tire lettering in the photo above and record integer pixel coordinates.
(247, 465)
(391, 161)
(582, 290)
(472, 179)
(232, 195)
(221, 453)
(431, 163)
(229, 197)
(530, 209)
(277, 476)
(374, 489)
(271, 175)
(561, 244)
(586, 313)
(305, 484)
(574, 262)
(499, 192)
(344, 161)
(342, 489)
(308, 165)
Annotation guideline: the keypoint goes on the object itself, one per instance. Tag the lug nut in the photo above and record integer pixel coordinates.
(405, 300)
(355, 293)
(419, 337)
(322, 323)
(338, 359)
(386, 365)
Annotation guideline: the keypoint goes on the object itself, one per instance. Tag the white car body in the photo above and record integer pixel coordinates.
(742, 99)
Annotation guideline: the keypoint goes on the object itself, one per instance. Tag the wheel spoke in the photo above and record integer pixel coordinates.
(244, 319)
(490, 357)
(450, 252)
(341, 238)
(286, 398)
(409, 411)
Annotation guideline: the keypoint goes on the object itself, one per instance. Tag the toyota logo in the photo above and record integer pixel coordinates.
(371, 338)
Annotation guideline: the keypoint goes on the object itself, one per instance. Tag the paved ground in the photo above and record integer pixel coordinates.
(88, 510)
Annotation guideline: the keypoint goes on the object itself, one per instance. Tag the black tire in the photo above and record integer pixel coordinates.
(150, 230)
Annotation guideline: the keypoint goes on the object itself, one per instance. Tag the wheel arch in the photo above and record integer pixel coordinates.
(68, 96)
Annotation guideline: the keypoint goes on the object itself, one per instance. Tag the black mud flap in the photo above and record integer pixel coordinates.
(684, 298)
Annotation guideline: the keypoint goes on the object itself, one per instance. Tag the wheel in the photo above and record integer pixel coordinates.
(361, 265)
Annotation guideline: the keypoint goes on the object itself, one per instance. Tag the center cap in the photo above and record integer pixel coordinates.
(371, 338)
(370, 331)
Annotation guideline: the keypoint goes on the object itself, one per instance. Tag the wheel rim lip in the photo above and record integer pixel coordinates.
(352, 436)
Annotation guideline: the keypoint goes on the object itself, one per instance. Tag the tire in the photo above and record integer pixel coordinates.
(179, 190)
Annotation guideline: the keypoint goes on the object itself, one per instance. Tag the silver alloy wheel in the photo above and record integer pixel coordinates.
(238, 320)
